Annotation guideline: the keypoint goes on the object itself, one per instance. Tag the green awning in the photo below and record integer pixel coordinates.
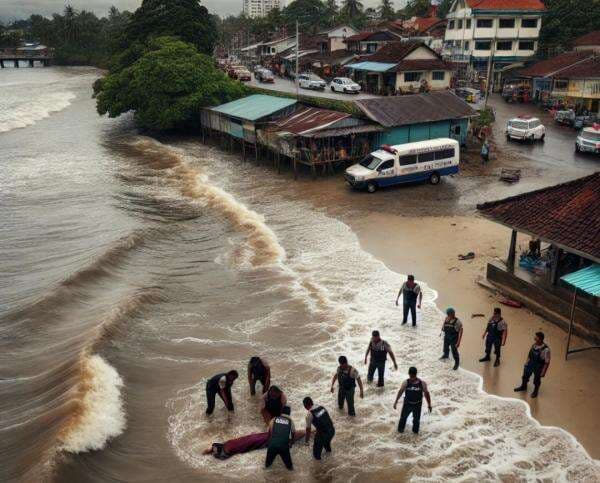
(254, 107)
(587, 280)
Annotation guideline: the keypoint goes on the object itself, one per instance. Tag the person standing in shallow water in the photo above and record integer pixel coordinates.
(220, 384)
(347, 377)
(537, 364)
(325, 431)
(413, 389)
(281, 439)
(259, 370)
(453, 330)
(379, 349)
(495, 336)
(412, 299)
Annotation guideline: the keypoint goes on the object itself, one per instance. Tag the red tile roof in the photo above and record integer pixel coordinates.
(506, 5)
(591, 38)
(588, 69)
(423, 24)
(422, 64)
(554, 64)
(566, 214)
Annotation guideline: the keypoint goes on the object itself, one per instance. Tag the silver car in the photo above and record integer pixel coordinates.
(311, 81)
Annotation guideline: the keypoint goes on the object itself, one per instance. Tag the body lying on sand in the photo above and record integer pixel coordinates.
(281, 434)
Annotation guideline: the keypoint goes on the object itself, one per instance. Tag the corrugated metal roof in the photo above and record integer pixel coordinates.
(309, 119)
(344, 131)
(254, 107)
(415, 108)
(371, 66)
(587, 280)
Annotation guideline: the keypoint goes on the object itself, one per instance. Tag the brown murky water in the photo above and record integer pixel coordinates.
(133, 269)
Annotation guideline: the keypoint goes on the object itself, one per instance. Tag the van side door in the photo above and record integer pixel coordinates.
(385, 172)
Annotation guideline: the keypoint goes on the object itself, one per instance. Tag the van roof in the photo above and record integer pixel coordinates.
(423, 144)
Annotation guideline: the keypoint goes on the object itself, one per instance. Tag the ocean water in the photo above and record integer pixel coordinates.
(135, 268)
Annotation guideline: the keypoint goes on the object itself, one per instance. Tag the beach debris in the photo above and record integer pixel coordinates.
(454, 269)
(477, 315)
(510, 175)
(468, 256)
(511, 302)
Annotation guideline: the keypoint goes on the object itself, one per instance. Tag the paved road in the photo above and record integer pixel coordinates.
(558, 150)
(284, 85)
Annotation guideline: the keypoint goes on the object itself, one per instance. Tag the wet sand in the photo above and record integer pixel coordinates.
(428, 247)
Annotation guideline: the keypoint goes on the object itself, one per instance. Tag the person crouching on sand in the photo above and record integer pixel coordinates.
(220, 384)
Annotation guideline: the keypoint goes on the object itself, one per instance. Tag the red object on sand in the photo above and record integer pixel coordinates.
(511, 303)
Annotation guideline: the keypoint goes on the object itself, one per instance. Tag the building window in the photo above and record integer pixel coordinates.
(561, 85)
(507, 23)
(468, 23)
(450, 24)
(371, 48)
(504, 45)
(466, 45)
(485, 23)
(412, 76)
(483, 45)
(529, 23)
(526, 45)
(459, 24)
(438, 75)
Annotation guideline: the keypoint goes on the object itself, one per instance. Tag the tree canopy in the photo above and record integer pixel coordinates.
(166, 86)
(566, 20)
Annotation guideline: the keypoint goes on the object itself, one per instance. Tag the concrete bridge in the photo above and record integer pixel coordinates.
(45, 58)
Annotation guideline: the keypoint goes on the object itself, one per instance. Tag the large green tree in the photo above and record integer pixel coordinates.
(565, 20)
(310, 15)
(386, 10)
(444, 8)
(352, 9)
(166, 86)
(186, 19)
(416, 8)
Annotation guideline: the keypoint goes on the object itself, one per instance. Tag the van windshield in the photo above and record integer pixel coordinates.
(591, 136)
(370, 162)
(519, 124)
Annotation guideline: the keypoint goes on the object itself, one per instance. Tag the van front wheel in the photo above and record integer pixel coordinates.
(371, 187)
(434, 178)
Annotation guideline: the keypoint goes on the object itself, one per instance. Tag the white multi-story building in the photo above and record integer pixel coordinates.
(259, 8)
(501, 31)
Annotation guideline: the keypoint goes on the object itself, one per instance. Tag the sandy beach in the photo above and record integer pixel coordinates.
(428, 247)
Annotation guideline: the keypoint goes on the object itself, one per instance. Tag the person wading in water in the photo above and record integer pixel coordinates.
(320, 419)
(220, 384)
(537, 364)
(411, 291)
(452, 329)
(379, 349)
(413, 389)
(272, 403)
(281, 439)
(258, 370)
(347, 377)
(495, 336)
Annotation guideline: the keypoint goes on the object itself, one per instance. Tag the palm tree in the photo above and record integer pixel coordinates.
(386, 10)
(352, 8)
(331, 12)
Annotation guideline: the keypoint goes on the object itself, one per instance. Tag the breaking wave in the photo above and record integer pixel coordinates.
(19, 112)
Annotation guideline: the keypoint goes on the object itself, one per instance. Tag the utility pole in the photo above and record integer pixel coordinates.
(297, 49)
(490, 69)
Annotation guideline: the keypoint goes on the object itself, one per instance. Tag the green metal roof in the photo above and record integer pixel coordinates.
(371, 66)
(587, 279)
(254, 107)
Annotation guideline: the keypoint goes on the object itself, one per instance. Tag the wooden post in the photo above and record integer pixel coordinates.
(17, 63)
(278, 163)
(295, 168)
(243, 150)
(1, 63)
(256, 152)
(313, 170)
(572, 321)
(510, 262)
(230, 143)
(555, 264)
(31, 62)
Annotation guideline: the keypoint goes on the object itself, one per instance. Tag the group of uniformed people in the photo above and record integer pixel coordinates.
(276, 412)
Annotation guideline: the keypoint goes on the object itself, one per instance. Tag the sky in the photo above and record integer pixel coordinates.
(16, 9)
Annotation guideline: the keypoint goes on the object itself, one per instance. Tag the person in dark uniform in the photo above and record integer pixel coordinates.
(272, 403)
(379, 349)
(281, 438)
(413, 389)
(320, 419)
(258, 370)
(220, 384)
(452, 329)
(495, 336)
(412, 293)
(347, 377)
(537, 364)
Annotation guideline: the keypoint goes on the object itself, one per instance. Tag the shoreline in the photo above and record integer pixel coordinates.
(570, 409)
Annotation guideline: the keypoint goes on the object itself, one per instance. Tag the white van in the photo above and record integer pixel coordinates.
(405, 163)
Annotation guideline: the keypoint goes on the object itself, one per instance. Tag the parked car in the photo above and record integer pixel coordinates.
(405, 163)
(242, 74)
(566, 118)
(525, 128)
(468, 94)
(264, 75)
(311, 81)
(588, 140)
(343, 84)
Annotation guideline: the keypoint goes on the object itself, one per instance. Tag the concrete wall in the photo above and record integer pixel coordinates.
(401, 82)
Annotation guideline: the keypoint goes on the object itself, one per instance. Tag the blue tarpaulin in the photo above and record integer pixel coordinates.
(587, 280)
(371, 66)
